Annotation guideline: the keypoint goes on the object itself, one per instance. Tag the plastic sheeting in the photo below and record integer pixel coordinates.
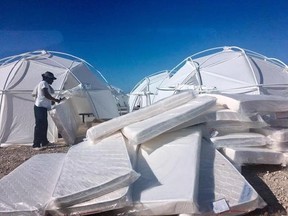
(96, 133)
(239, 139)
(147, 129)
(169, 166)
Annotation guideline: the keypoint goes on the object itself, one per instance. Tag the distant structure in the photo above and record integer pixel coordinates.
(227, 69)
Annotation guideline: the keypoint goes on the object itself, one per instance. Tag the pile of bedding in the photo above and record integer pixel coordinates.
(176, 156)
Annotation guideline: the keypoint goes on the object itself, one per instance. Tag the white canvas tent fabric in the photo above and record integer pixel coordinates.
(20, 74)
(144, 91)
(226, 70)
(121, 99)
(236, 70)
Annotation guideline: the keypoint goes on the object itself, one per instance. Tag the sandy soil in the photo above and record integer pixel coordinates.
(271, 182)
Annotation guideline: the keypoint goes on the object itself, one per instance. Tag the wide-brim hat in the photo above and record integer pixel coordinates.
(48, 74)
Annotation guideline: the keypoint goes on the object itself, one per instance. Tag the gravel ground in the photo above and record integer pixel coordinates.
(271, 182)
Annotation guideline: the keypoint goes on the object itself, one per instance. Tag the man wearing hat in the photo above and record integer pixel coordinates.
(43, 101)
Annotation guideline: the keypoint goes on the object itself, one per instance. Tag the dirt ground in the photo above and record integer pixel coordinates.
(271, 182)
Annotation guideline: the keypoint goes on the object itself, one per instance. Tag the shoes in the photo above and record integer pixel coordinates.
(37, 148)
(48, 144)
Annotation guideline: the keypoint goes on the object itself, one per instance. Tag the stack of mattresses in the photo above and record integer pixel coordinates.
(261, 143)
(159, 143)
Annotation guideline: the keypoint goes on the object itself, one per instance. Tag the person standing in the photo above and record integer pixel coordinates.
(43, 102)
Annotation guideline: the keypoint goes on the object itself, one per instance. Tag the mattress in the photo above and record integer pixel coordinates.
(27, 189)
(96, 133)
(253, 104)
(90, 171)
(239, 140)
(169, 166)
(274, 134)
(255, 155)
(219, 180)
(66, 120)
(145, 130)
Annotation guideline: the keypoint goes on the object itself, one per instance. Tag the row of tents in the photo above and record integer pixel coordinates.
(229, 70)
(218, 70)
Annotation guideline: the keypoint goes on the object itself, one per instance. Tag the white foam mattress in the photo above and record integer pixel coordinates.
(145, 130)
(26, 190)
(90, 171)
(96, 133)
(219, 179)
(274, 134)
(239, 140)
(112, 201)
(66, 120)
(252, 104)
(168, 166)
(256, 155)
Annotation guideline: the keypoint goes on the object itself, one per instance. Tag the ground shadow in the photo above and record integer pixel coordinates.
(273, 206)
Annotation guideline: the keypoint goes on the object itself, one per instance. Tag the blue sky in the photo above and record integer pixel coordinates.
(127, 40)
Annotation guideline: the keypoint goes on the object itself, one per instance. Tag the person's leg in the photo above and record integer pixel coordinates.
(40, 126)
(45, 129)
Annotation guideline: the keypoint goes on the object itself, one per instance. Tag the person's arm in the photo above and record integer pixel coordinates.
(48, 96)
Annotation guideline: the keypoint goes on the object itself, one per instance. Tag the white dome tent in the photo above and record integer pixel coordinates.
(21, 73)
(226, 70)
(141, 94)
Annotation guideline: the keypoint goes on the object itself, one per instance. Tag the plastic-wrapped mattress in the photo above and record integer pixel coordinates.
(255, 155)
(252, 104)
(145, 130)
(169, 167)
(26, 190)
(219, 180)
(239, 140)
(96, 133)
(275, 134)
(90, 171)
(66, 120)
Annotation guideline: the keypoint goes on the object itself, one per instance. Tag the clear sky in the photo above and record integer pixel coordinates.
(127, 40)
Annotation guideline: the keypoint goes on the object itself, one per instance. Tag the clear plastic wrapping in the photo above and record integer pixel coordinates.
(256, 155)
(253, 104)
(142, 131)
(66, 120)
(96, 133)
(169, 168)
(239, 140)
